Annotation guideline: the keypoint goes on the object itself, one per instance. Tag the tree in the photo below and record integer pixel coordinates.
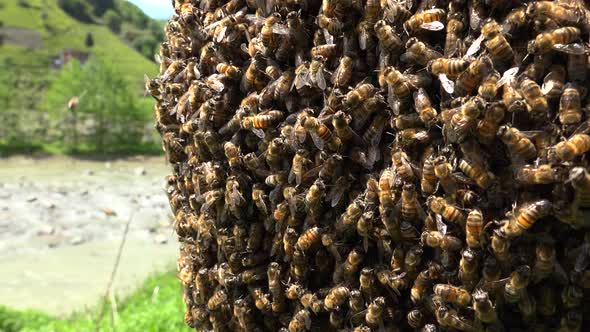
(89, 41)
(78, 9)
(113, 20)
(108, 113)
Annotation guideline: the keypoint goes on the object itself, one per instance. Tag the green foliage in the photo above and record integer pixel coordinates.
(79, 9)
(26, 74)
(155, 306)
(100, 6)
(108, 113)
(113, 20)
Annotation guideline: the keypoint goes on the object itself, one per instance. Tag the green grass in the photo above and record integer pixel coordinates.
(144, 310)
(61, 31)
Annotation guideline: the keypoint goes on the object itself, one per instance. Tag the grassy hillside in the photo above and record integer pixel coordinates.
(58, 31)
(36, 32)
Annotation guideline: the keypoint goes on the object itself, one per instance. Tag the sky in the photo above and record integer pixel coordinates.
(159, 9)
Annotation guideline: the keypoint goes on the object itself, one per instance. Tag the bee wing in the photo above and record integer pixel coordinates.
(329, 38)
(319, 143)
(213, 25)
(462, 178)
(292, 205)
(291, 175)
(583, 128)
(547, 86)
(447, 84)
(264, 208)
(320, 79)
(363, 40)
(312, 173)
(440, 225)
(492, 286)
(335, 195)
(372, 156)
(280, 29)
(258, 132)
(157, 58)
(221, 34)
(574, 48)
(215, 83)
(474, 47)
(507, 76)
(239, 197)
(378, 134)
(433, 26)
(393, 100)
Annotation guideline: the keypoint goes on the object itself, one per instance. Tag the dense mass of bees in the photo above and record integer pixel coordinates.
(387, 165)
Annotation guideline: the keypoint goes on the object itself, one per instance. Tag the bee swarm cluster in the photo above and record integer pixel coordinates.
(359, 165)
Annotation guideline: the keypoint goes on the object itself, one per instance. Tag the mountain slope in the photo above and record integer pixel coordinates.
(59, 31)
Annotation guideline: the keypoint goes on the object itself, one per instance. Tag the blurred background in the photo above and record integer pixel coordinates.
(81, 169)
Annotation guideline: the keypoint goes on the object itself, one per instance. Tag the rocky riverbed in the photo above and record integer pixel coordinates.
(61, 222)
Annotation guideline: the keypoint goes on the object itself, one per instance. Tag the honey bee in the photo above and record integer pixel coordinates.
(428, 181)
(477, 173)
(535, 100)
(553, 82)
(558, 39)
(410, 207)
(484, 308)
(562, 14)
(300, 163)
(517, 282)
(453, 294)
(316, 72)
(580, 180)
(474, 228)
(570, 112)
(321, 134)
(173, 147)
(399, 89)
(343, 74)
(262, 121)
(216, 300)
(462, 122)
(450, 318)
(430, 19)
(415, 318)
(388, 38)
(576, 145)
(542, 174)
(411, 136)
(342, 129)
(455, 26)
(332, 25)
(437, 239)
(336, 297)
(449, 212)
(230, 71)
(420, 286)
(512, 97)
(451, 67)
(487, 127)
(526, 215)
(419, 53)
(374, 315)
(308, 239)
(254, 76)
(301, 321)
(352, 263)
(488, 88)
(401, 165)
(428, 115)
(571, 296)
(443, 171)
(496, 43)
(357, 96)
